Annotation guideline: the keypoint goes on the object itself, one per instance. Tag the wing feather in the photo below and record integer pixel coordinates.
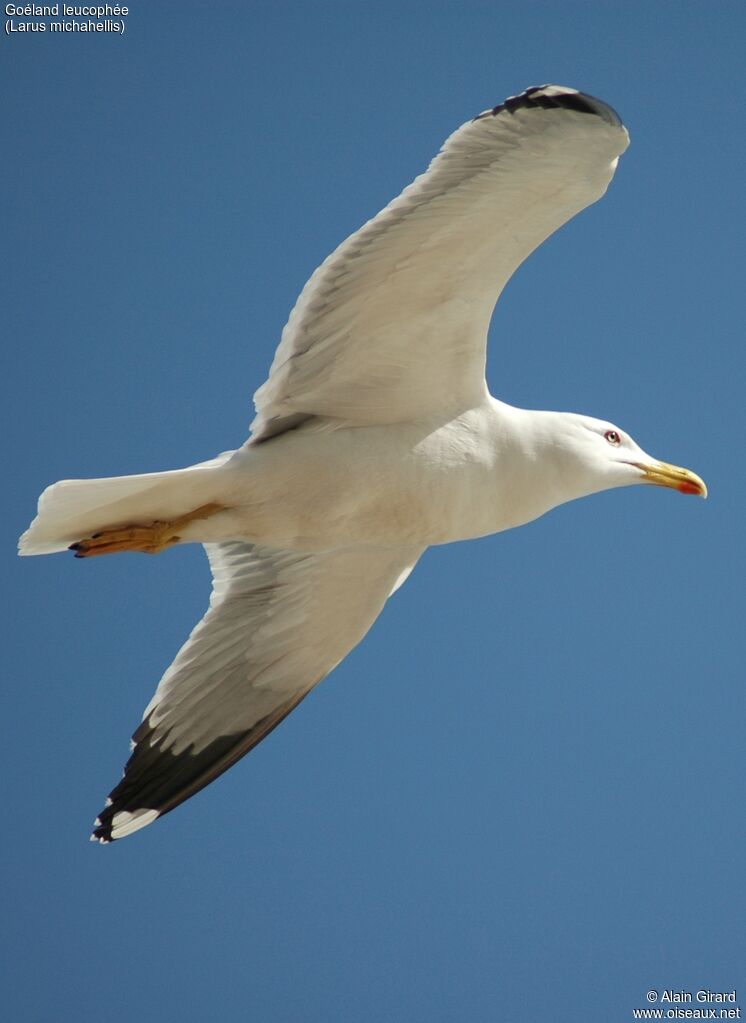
(278, 622)
(393, 325)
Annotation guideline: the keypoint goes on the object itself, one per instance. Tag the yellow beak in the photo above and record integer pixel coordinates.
(664, 475)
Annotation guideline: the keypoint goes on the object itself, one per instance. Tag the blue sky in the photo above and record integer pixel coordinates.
(522, 797)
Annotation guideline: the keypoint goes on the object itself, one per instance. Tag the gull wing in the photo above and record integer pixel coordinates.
(393, 325)
(278, 622)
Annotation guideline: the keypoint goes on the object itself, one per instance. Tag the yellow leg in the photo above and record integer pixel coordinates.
(149, 539)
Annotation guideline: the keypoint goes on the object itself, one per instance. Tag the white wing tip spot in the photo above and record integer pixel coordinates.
(126, 823)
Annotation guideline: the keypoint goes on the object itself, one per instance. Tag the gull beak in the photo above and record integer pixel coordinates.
(664, 475)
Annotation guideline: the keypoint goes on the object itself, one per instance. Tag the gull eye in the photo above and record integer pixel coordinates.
(613, 438)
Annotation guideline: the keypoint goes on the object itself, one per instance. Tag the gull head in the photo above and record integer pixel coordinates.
(588, 455)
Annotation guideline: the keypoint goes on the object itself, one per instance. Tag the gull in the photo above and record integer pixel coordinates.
(375, 437)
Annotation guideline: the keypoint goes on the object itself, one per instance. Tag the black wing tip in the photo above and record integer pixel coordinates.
(556, 97)
(156, 780)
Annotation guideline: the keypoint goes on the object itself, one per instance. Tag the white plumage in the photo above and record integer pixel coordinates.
(375, 437)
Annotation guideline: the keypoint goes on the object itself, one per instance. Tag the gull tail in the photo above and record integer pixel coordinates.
(73, 509)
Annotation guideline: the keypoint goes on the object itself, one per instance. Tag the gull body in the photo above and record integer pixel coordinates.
(488, 469)
(375, 438)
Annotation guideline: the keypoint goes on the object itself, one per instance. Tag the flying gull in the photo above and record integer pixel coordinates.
(375, 437)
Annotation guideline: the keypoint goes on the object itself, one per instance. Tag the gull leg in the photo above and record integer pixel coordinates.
(150, 539)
